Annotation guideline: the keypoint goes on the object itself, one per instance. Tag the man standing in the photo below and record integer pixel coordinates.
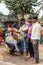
(35, 37)
(30, 45)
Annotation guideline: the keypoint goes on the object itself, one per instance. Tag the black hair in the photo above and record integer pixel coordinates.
(22, 19)
(35, 17)
(30, 16)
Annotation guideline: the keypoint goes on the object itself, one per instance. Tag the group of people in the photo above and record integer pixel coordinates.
(25, 39)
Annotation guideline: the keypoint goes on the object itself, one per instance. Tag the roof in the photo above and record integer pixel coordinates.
(6, 18)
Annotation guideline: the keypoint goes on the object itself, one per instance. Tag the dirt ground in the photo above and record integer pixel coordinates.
(6, 59)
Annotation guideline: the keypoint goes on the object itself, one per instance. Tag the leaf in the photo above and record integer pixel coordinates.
(21, 6)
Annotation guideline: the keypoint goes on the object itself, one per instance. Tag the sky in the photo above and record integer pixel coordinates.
(5, 11)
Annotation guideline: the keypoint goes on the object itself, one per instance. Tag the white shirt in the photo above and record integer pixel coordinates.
(36, 31)
(24, 27)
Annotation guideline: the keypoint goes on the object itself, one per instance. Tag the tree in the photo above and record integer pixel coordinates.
(21, 6)
(0, 0)
(41, 19)
(1, 13)
(40, 4)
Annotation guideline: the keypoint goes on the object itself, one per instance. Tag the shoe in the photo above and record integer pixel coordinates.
(35, 62)
(27, 56)
(32, 56)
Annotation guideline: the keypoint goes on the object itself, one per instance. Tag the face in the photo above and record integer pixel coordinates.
(34, 20)
(22, 23)
(30, 20)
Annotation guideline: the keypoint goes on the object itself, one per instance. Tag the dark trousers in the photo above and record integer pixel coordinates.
(36, 51)
(21, 45)
(30, 48)
(12, 47)
(12, 51)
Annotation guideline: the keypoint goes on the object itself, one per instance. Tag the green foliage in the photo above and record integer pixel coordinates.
(0, 1)
(41, 19)
(1, 13)
(21, 6)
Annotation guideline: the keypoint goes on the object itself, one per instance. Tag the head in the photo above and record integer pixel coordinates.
(34, 19)
(22, 21)
(30, 20)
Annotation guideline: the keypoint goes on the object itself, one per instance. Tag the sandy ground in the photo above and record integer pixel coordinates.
(7, 59)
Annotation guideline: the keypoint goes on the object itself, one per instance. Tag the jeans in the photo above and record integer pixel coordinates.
(21, 45)
(26, 41)
(13, 42)
(36, 51)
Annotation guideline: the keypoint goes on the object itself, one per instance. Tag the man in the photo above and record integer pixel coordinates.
(30, 45)
(11, 42)
(21, 37)
(35, 37)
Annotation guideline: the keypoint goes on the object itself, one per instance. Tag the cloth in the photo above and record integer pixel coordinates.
(11, 40)
(36, 51)
(21, 34)
(24, 27)
(21, 46)
(41, 31)
(30, 48)
(41, 40)
(29, 30)
(36, 31)
(4, 32)
(1, 37)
